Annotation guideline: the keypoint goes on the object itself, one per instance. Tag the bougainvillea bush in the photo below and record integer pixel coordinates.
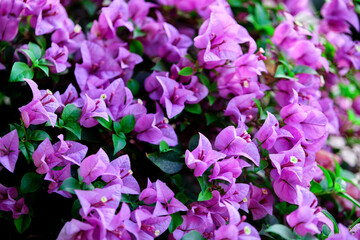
(186, 119)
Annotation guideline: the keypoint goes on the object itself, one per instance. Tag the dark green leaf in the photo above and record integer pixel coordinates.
(263, 165)
(75, 209)
(71, 113)
(163, 146)
(176, 220)
(134, 86)
(35, 49)
(74, 128)
(316, 187)
(193, 235)
(20, 71)
(282, 231)
(69, 185)
(327, 214)
(30, 182)
(194, 142)
(169, 162)
(204, 80)
(38, 135)
(186, 71)
(182, 197)
(136, 47)
(43, 68)
(104, 123)
(89, 6)
(117, 127)
(328, 177)
(304, 69)
(42, 43)
(119, 143)
(204, 196)
(193, 108)
(127, 123)
(210, 118)
(22, 223)
(211, 99)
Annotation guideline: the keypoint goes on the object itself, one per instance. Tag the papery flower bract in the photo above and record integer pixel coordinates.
(237, 142)
(260, 202)
(41, 108)
(91, 110)
(73, 230)
(9, 17)
(94, 166)
(119, 172)
(202, 157)
(9, 150)
(69, 35)
(57, 56)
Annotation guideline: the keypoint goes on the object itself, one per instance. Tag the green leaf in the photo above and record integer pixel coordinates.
(194, 142)
(74, 128)
(262, 114)
(280, 72)
(30, 182)
(285, 208)
(186, 71)
(204, 196)
(71, 113)
(304, 69)
(138, 33)
(328, 177)
(193, 108)
(316, 187)
(20, 71)
(211, 99)
(42, 43)
(134, 86)
(127, 123)
(43, 68)
(117, 128)
(176, 220)
(210, 118)
(35, 49)
(69, 185)
(182, 197)
(30, 54)
(75, 209)
(104, 123)
(89, 6)
(204, 80)
(327, 214)
(260, 15)
(169, 162)
(119, 142)
(163, 146)
(193, 235)
(350, 198)
(38, 135)
(282, 231)
(25, 152)
(338, 170)
(22, 223)
(136, 47)
(263, 165)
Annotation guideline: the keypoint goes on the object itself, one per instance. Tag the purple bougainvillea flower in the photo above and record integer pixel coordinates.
(9, 150)
(173, 97)
(69, 35)
(44, 157)
(117, 229)
(343, 234)
(111, 17)
(219, 38)
(41, 108)
(101, 203)
(152, 85)
(145, 225)
(127, 61)
(296, 6)
(48, 17)
(285, 35)
(202, 157)
(176, 45)
(97, 67)
(260, 202)
(70, 151)
(338, 16)
(154, 128)
(227, 169)
(69, 96)
(19, 208)
(9, 17)
(241, 108)
(91, 110)
(74, 229)
(139, 9)
(57, 56)
(237, 142)
(7, 197)
(56, 178)
(347, 56)
(119, 172)
(94, 166)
